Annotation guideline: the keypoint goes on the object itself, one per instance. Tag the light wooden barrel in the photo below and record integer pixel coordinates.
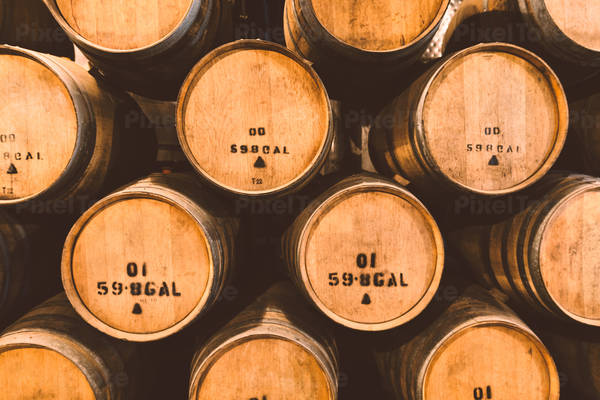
(568, 30)
(144, 47)
(52, 354)
(578, 356)
(267, 135)
(286, 353)
(149, 259)
(368, 34)
(546, 257)
(367, 253)
(490, 119)
(62, 134)
(477, 349)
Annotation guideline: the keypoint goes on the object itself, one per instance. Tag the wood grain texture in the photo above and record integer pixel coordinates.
(376, 25)
(477, 346)
(261, 136)
(367, 253)
(117, 25)
(290, 355)
(52, 354)
(161, 255)
(492, 120)
(62, 134)
(362, 33)
(567, 29)
(136, 42)
(545, 257)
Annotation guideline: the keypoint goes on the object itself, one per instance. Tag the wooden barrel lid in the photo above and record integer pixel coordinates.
(578, 20)
(489, 361)
(494, 118)
(382, 25)
(260, 135)
(138, 266)
(38, 126)
(119, 25)
(569, 255)
(41, 373)
(280, 369)
(372, 257)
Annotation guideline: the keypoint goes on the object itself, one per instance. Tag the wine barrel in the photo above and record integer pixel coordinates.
(52, 354)
(566, 29)
(367, 253)
(28, 24)
(62, 134)
(490, 119)
(546, 257)
(150, 258)
(144, 47)
(287, 354)
(262, 136)
(362, 32)
(477, 349)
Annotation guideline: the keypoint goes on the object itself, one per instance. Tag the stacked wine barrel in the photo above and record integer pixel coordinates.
(221, 239)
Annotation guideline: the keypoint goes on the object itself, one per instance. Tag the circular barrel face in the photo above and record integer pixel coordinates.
(40, 373)
(490, 362)
(124, 25)
(381, 25)
(492, 121)
(139, 266)
(569, 256)
(372, 259)
(274, 368)
(578, 20)
(254, 136)
(38, 127)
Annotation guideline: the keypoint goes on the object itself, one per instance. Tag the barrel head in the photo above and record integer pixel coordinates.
(577, 20)
(491, 361)
(494, 119)
(254, 119)
(41, 373)
(371, 258)
(118, 25)
(569, 255)
(273, 368)
(38, 126)
(138, 267)
(378, 25)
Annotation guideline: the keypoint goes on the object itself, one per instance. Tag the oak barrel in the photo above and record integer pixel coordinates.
(350, 34)
(477, 349)
(367, 253)
(546, 257)
(490, 119)
(268, 135)
(144, 47)
(52, 354)
(150, 258)
(62, 135)
(286, 353)
(568, 30)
